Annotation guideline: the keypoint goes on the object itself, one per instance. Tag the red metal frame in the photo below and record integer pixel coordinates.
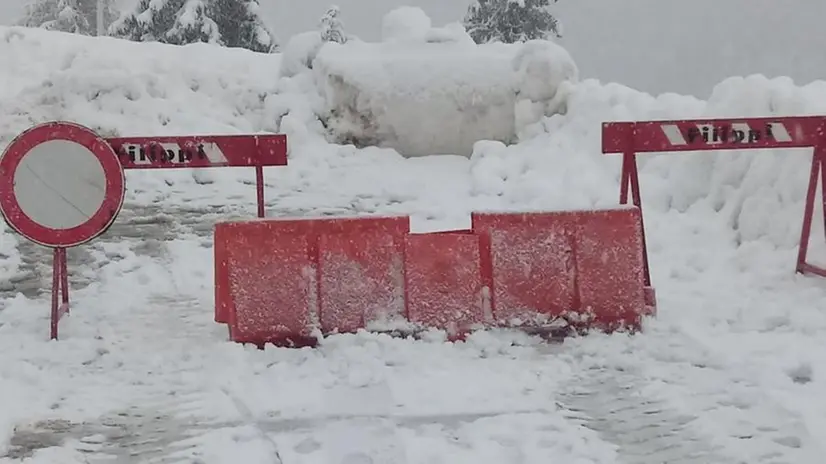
(630, 138)
(818, 172)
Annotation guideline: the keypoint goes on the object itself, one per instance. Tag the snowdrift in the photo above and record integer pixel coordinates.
(126, 88)
(429, 91)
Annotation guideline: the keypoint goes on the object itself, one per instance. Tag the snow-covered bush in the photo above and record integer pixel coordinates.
(301, 49)
(511, 21)
(299, 53)
(230, 23)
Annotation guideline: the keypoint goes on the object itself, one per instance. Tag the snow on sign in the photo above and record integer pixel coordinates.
(61, 185)
(630, 138)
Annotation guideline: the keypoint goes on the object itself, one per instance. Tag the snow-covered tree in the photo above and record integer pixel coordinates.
(511, 21)
(89, 10)
(331, 28)
(231, 23)
(149, 22)
(241, 25)
(193, 24)
(77, 16)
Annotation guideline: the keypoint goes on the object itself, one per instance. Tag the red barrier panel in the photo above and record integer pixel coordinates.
(267, 281)
(580, 266)
(341, 271)
(630, 138)
(609, 262)
(362, 277)
(444, 282)
(532, 270)
(278, 281)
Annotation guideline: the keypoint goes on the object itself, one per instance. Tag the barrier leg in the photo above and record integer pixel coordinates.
(821, 156)
(259, 189)
(816, 173)
(60, 289)
(631, 179)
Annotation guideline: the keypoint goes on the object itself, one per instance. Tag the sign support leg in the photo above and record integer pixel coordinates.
(816, 175)
(259, 189)
(631, 179)
(64, 282)
(60, 289)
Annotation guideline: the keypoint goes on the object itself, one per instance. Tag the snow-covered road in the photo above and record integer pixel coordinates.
(143, 375)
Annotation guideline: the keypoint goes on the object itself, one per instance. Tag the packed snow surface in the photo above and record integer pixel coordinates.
(736, 359)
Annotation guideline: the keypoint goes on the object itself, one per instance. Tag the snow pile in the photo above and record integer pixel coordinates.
(430, 91)
(125, 88)
(756, 194)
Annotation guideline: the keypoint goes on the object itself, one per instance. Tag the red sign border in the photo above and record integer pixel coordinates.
(103, 218)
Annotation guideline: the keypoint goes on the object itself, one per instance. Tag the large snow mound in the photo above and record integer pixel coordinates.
(125, 88)
(430, 90)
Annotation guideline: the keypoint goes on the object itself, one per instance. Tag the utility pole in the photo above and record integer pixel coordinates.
(101, 29)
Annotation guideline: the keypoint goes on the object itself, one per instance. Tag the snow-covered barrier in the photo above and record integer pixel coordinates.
(287, 281)
(426, 90)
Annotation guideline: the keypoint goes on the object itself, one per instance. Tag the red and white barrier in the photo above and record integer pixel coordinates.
(283, 281)
(630, 138)
(204, 151)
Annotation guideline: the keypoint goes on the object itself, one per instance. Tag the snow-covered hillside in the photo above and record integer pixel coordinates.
(690, 47)
(733, 364)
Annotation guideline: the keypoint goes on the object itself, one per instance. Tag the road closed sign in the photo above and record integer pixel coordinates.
(61, 184)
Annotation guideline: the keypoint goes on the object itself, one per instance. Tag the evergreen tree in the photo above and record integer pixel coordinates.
(89, 10)
(241, 25)
(192, 25)
(511, 21)
(231, 23)
(332, 30)
(149, 22)
(77, 16)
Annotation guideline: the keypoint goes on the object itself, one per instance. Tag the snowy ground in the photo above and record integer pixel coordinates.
(730, 372)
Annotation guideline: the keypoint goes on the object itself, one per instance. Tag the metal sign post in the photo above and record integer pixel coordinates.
(61, 185)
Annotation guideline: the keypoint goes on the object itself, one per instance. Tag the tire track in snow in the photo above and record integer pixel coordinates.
(669, 409)
(611, 402)
(144, 228)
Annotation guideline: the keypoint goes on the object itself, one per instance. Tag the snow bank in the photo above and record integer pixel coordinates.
(424, 90)
(125, 88)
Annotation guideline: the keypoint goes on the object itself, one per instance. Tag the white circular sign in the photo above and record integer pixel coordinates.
(60, 184)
